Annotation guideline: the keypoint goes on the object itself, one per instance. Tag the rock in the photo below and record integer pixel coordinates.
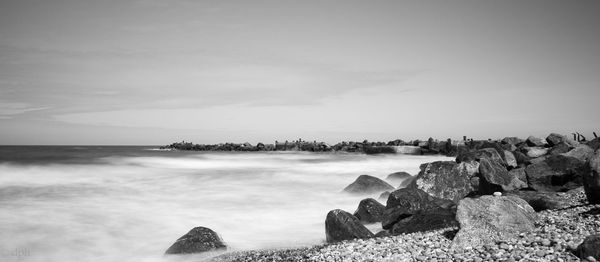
(591, 180)
(581, 152)
(369, 211)
(538, 159)
(534, 141)
(341, 225)
(559, 148)
(510, 160)
(556, 173)
(446, 179)
(497, 194)
(522, 159)
(199, 239)
(398, 177)
(425, 221)
(511, 140)
(478, 154)
(534, 152)
(384, 196)
(494, 177)
(589, 247)
(594, 143)
(487, 219)
(405, 202)
(542, 200)
(407, 182)
(555, 139)
(366, 184)
(521, 178)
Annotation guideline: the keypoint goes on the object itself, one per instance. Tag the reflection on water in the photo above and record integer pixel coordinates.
(131, 204)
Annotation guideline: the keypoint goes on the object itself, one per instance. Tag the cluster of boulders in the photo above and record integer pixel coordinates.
(416, 147)
(491, 191)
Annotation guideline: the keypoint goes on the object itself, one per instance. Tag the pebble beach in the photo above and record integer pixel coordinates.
(556, 236)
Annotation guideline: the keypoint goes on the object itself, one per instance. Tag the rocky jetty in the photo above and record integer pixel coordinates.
(506, 200)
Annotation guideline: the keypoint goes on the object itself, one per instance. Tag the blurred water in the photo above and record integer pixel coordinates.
(131, 203)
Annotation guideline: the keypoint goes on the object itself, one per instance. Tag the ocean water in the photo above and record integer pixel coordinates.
(131, 203)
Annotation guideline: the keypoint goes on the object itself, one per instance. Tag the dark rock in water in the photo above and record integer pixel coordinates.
(398, 177)
(522, 159)
(384, 196)
(369, 211)
(510, 160)
(511, 140)
(556, 173)
(366, 184)
(405, 202)
(534, 141)
(487, 219)
(495, 177)
(559, 148)
(370, 150)
(406, 182)
(590, 247)
(543, 200)
(591, 180)
(341, 225)
(479, 154)
(425, 221)
(199, 239)
(446, 179)
(581, 152)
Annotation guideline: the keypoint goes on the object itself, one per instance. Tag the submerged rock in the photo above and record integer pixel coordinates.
(199, 239)
(488, 219)
(369, 211)
(341, 225)
(366, 184)
(398, 176)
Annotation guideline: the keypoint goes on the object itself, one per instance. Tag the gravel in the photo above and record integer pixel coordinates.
(557, 234)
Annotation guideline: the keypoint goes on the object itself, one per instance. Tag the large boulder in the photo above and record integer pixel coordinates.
(591, 180)
(556, 173)
(405, 202)
(199, 239)
(398, 177)
(534, 141)
(539, 200)
(555, 139)
(425, 221)
(488, 219)
(495, 177)
(366, 184)
(446, 179)
(534, 152)
(511, 141)
(341, 225)
(559, 148)
(581, 152)
(510, 159)
(522, 159)
(369, 211)
(476, 155)
(590, 247)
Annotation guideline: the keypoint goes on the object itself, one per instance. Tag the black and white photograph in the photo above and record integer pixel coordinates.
(313, 130)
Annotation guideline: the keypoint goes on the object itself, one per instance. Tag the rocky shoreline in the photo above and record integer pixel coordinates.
(507, 200)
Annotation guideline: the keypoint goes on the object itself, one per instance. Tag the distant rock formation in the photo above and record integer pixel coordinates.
(199, 239)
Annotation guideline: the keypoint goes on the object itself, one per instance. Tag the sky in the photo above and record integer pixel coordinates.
(152, 72)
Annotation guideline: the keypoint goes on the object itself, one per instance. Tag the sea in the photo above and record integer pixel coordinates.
(130, 203)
